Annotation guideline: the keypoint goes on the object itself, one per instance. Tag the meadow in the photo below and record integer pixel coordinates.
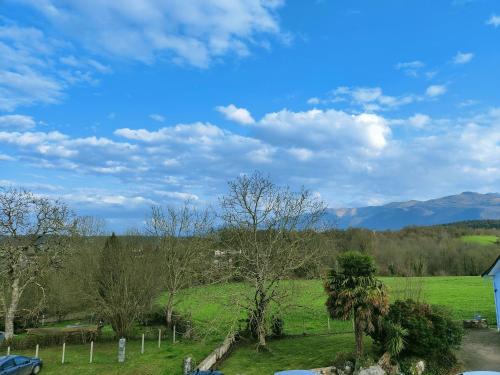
(214, 311)
(216, 307)
(480, 239)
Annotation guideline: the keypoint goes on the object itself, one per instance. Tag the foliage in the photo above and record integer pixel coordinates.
(125, 289)
(353, 291)
(277, 326)
(431, 333)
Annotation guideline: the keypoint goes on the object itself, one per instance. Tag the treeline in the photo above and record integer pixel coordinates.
(416, 251)
(56, 265)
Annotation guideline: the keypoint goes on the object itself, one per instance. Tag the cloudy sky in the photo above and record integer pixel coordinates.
(117, 105)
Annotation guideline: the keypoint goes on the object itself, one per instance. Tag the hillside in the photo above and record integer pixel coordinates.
(455, 208)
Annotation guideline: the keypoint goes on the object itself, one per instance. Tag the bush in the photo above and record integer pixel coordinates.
(431, 334)
(344, 358)
(277, 326)
(53, 336)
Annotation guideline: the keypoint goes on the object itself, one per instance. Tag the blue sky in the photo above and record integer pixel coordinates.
(115, 106)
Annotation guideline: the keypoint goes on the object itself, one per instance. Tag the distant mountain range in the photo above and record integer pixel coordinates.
(461, 207)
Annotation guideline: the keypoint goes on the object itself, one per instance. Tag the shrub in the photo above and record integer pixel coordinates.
(277, 326)
(431, 334)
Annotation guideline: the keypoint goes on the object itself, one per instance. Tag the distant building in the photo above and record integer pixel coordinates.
(494, 273)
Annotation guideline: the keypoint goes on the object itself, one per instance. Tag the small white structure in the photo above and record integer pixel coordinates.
(494, 273)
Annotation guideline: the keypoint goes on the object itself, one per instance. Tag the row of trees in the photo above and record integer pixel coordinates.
(265, 238)
(54, 262)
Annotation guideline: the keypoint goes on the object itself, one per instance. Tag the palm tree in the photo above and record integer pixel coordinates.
(354, 292)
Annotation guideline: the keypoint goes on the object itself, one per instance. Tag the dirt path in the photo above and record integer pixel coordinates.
(480, 350)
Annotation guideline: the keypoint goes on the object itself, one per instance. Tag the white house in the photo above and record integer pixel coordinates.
(494, 273)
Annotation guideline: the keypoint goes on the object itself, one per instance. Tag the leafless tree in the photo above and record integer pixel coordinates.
(34, 231)
(267, 231)
(182, 241)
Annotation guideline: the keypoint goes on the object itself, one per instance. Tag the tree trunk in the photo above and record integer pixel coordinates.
(169, 309)
(262, 337)
(12, 309)
(358, 333)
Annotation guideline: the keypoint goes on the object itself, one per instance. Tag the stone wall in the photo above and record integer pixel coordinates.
(209, 362)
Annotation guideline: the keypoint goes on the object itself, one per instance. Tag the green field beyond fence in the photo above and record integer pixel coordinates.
(216, 307)
(214, 311)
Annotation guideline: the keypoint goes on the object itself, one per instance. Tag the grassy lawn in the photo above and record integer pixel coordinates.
(167, 360)
(290, 353)
(305, 311)
(215, 310)
(480, 239)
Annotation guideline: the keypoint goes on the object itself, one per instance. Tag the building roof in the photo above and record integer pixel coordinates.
(493, 269)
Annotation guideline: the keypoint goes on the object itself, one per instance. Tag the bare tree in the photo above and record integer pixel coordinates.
(182, 239)
(34, 231)
(267, 231)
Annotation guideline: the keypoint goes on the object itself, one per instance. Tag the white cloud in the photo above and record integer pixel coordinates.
(345, 156)
(435, 90)
(313, 101)
(157, 117)
(462, 58)
(410, 68)
(494, 20)
(239, 115)
(328, 128)
(192, 32)
(17, 122)
(419, 120)
(4, 157)
(370, 98)
(177, 195)
(30, 71)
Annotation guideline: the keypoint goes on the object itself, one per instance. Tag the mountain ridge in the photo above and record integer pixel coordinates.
(396, 215)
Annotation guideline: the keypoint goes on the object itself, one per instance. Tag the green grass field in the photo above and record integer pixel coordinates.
(292, 353)
(480, 239)
(305, 312)
(166, 361)
(214, 311)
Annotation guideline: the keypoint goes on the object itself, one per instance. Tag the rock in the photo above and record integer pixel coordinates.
(419, 367)
(372, 370)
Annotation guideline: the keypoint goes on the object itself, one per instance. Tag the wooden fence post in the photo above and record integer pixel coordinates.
(36, 351)
(91, 351)
(8, 350)
(159, 338)
(142, 344)
(63, 353)
(328, 324)
(173, 340)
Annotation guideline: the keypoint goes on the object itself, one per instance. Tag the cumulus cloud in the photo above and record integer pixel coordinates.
(192, 32)
(435, 90)
(330, 128)
(344, 156)
(462, 58)
(239, 115)
(494, 21)
(17, 122)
